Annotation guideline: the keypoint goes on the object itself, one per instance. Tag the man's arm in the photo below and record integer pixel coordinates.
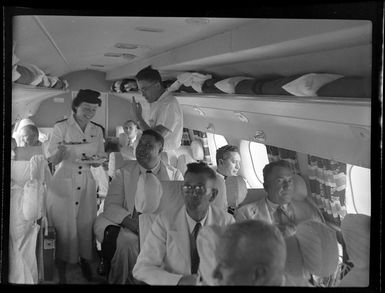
(149, 265)
(113, 204)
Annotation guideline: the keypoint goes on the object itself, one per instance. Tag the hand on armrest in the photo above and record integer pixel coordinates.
(131, 224)
(189, 280)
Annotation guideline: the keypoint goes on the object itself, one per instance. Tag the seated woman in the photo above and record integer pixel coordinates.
(29, 170)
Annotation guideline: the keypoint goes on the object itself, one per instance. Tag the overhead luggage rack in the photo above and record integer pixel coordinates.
(26, 99)
(335, 128)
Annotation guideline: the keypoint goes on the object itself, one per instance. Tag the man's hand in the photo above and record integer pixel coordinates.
(189, 280)
(131, 224)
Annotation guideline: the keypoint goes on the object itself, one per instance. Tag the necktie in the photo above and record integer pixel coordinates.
(148, 171)
(194, 250)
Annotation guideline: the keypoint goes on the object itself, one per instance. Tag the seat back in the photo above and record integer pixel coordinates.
(172, 199)
(253, 194)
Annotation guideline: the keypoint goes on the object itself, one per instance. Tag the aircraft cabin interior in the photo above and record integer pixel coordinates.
(292, 89)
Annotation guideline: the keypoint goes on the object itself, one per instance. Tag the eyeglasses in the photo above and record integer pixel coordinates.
(198, 190)
(145, 89)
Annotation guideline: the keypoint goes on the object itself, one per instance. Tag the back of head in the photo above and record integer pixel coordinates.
(256, 248)
(319, 248)
(149, 74)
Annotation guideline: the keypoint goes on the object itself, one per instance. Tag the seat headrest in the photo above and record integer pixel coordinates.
(356, 233)
(182, 162)
(115, 162)
(197, 150)
(300, 188)
(169, 158)
(317, 245)
(253, 194)
(172, 197)
(236, 190)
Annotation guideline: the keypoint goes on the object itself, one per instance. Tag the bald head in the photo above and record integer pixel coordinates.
(250, 253)
(29, 135)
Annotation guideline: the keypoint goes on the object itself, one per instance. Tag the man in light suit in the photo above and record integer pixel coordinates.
(279, 207)
(169, 255)
(121, 204)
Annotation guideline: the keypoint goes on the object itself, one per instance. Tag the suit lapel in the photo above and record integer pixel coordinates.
(180, 233)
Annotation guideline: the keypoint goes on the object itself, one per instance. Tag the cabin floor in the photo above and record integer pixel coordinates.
(74, 275)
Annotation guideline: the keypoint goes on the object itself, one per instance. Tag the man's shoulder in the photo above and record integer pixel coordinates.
(254, 205)
(220, 216)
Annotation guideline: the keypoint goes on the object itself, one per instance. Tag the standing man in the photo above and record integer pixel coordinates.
(169, 255)
(166, 116)
(279, 207)
(125, 198)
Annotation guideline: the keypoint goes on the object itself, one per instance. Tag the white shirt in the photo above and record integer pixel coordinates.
(166, 111)
(191, 222)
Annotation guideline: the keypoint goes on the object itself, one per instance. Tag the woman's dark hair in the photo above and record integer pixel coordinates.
(88, 96)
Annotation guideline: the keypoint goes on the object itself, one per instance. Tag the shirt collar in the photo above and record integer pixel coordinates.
(273, 206)
(154, 170)
(191, 222)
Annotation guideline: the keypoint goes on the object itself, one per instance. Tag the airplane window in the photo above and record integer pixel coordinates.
(219, 141)
(358, 190)
(254, 158)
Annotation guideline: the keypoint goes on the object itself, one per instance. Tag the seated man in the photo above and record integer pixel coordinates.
(228, 164)
(279, 207)
(129, 140)
(120, 206)
(169, 255)
(251, 253)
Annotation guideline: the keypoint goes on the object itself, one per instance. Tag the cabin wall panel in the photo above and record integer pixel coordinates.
(50, 111)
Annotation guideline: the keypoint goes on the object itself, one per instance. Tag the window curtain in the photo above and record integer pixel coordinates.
(327, 184)
(202, 136)
(275, 154)
(186, 139)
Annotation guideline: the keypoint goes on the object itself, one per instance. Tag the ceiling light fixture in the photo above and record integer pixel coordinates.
(113, 54)
(126, 46)
(148, 29)
(130, 46)
(128, 56)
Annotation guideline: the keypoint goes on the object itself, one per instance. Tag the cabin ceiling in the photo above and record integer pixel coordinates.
(63, 44)
(72, 43)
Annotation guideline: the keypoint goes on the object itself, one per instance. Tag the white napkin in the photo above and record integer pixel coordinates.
(148, 193)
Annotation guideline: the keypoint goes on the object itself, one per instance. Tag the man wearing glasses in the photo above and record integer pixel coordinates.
(166, 116)
(169, 255)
